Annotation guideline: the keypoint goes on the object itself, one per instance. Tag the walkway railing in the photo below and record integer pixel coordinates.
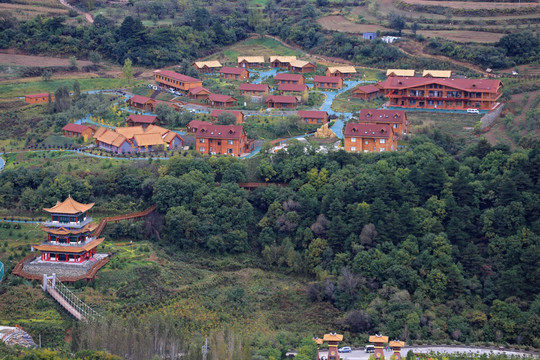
(135, 215)
(69, 301)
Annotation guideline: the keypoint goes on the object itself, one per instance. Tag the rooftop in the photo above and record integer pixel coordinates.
(437, 73)
(282, 99)
(315, 114)
(300, 63)
(288, 77)
(251, 59)
(218, 112)
(342, 69)
(287, 59)
(210, 64)
(37, 95)
(76, 128)
(292, 87)
(399, 72)
(327, 79)
(486, 85)
(214, 131)
(176, 76)
(143, 119)
(221, 98)
(385, 116)
(253, 87)
(368, 130)
(232, 70)
(152, 139)
(69, 206)
(367, 89)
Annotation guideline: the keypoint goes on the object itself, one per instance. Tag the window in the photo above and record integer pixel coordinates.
(353, 139)
(230, 151)
(202, 149)
(353, 148)
(396, 126)
(230, 142)
(367, 142)
(201, 141)
(412, 102)
(381, 150)
(383, 141)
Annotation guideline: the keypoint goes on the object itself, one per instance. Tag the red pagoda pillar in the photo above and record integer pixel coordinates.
(396, 347)
(378, 341)
(319, 343)
(333, 340)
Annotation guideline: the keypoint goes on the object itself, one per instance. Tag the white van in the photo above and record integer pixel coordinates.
(473, 111)
(369, 348)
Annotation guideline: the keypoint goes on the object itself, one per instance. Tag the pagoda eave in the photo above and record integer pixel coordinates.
(70, 249)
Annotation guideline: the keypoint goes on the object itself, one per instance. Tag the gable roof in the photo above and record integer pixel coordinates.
(382, 116)
(170, 136)
(151, 139)
(100, 131)
(218, 112)
(69, 206)
(112, 138)
(251, 59)
(129, 131)
(283, 99)
(38, 95)
(368, 89)
(378, 338)
(221, 98)
(300, 63)
(199, 89)
(327, 79)
(313, 114)
(399, 72)
(210, 64)
(154, 129)
(215, 131)
(197, 123)
(232, 70)
(485, 85)
(437, 73)
(253, 87)
(142, 119)
(139, 99)
(342, 69)
(292, 87)
(177, 76)
(76, 128)
(288, 77)
(332, 337)
(284, 59)
(397, 343)
(368, 130)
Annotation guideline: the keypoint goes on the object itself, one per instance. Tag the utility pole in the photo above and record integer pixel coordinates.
(205, 349)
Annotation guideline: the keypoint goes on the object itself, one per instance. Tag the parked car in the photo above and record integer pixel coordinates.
(345, 349)
(473, 111)
(369, 348)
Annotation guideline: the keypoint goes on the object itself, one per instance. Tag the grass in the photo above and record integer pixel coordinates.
(33, 86)
(261, 47)
(344, 102)
(459, 125)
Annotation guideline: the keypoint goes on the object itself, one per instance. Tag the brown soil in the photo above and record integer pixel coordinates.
(472, 5)
(11, 58)
(339, 23)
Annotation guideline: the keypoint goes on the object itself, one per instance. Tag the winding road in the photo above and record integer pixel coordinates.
(87, 16)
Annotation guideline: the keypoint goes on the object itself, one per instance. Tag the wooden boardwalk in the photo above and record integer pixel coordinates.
(65, 304)
(132, 216)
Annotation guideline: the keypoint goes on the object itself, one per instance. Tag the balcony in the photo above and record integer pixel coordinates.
(68, 225)
(75, 245)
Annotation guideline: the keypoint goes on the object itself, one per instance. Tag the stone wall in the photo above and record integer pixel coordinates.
(490, 117)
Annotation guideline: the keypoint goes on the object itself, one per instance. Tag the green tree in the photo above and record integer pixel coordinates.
(396, 21)
(226, 118)
(127, 70)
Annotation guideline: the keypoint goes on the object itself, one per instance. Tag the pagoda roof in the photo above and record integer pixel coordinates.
(63, 231)
(333, 337)
(69, 206)
(378, 339)
(70, 248)
(396, 343)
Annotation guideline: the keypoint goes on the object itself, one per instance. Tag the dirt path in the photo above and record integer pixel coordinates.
(413, 48)
(88, 16)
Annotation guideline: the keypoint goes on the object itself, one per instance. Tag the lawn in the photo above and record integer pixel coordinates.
(10, 89)
(261, 47)
(459, 125)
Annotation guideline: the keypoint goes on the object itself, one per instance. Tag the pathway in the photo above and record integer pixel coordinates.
(88, 16)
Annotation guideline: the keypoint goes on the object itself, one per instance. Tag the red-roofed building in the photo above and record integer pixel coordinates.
(218, 100)
(142, 120)
(442, 93)
(283, 78)
(175, 80)
(292, 89)
(397, 119)
(215, 139)
(369, 138)
(199, 93)
(194, 125)
(281, 101)
(237, 114)
(327, 82)
(38, 98)
(233, 73)
(75, 130)
(366, 92)
(140, 102)
(254, 89)
(313, 116)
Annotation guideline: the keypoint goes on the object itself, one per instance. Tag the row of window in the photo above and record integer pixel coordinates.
(382, 141)
(353, 148)
(229, 142)
(203, 149)
(170, 80)
(67, 219)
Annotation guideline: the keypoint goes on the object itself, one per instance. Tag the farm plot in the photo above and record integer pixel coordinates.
(25, 10)
(471, 5)
(339, 23)
(37, 61)
(463, 35)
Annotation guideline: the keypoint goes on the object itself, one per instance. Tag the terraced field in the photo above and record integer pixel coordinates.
(27, 9)
(472, 4)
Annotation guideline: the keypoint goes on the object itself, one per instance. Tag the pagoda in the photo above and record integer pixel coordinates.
(69, 234)
(333, 341)
(396, 346)
(378, 341)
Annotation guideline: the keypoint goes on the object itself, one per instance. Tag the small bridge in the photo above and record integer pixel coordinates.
(132, 216)
(67, 299)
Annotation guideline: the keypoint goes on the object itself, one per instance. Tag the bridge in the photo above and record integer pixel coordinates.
(132, 216)
(67, 299)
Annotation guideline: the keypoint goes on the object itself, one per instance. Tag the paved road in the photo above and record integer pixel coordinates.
(362, 355)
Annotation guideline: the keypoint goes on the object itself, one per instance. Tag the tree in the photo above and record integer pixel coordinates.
(127, 70)
(62, 102)
(76, 90)
(46, 74)
(226, 118)
(95, 57)
(396, 21)
(73, 63)
(415, 27)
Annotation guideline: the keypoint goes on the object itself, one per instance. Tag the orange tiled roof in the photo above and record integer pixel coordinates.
(100, 131)
(70, 249)
(112, 138)
(63, 231)
(69, 206)
(333, 337)
(170, 136)
(129, 131)
(399, 344)
(154, 129)
(152, 139)
(378, 339)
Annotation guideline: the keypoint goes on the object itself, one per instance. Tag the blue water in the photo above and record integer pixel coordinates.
(264, 74)
(2, 164)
